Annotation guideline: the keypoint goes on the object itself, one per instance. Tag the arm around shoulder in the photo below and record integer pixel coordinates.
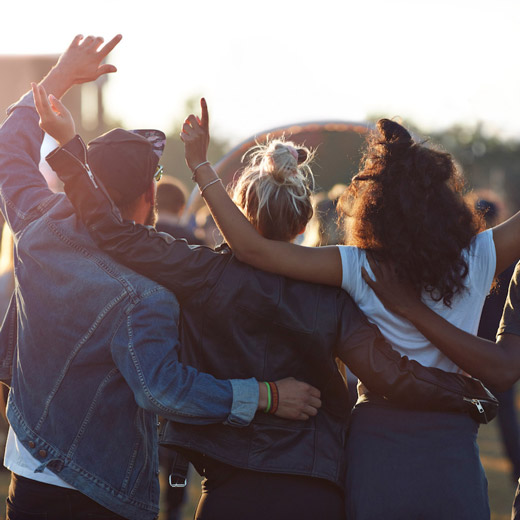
(145, 349)
(385, 372)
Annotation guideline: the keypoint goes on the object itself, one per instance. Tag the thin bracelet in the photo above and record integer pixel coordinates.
(214, 181)
(268, 407)
(196, 168)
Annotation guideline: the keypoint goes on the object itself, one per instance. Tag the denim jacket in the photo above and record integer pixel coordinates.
(90, 348)
(237, 321)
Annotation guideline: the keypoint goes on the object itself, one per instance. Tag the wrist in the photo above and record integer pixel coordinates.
(204, 174)
(262, 397)
(57, 82)
(414, 313)
(66, 139)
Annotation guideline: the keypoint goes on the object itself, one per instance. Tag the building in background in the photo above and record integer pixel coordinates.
(84, 102)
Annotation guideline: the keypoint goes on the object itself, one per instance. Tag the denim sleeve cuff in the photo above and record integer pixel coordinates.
(245, 401)
(27, 100)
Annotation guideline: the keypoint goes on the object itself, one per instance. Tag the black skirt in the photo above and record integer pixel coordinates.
(404, 464)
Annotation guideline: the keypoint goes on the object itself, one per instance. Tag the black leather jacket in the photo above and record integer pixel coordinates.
(238, 322)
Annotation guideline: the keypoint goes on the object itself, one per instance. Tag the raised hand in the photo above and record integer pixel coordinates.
(55, 119)
(195, 136)
(297, 400)
(396, 295)
(80, 63)
(82, 60)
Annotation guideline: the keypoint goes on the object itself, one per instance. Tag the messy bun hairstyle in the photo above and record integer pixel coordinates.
(406, 204)
(274, 190)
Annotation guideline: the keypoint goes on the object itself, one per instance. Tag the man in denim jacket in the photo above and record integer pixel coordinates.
(89, 347)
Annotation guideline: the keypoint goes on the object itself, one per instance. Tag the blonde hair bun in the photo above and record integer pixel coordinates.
(281, 160)
(276, 186)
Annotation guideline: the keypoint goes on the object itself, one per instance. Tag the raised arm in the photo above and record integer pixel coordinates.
(498, 365)
(23, 189)
(319, 265)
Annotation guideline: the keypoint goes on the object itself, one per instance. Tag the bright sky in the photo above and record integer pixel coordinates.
(265, 64)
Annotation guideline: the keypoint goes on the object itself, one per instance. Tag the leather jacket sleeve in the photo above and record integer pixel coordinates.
(385, 372)
(174, 264)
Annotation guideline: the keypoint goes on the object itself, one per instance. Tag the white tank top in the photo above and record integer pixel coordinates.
(464, 312)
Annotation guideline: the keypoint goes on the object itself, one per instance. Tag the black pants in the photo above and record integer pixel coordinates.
(236, 494)
(32, 500)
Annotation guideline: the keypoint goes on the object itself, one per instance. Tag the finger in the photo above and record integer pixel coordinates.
(76, 40)
(57, 105)
(98, 40)
(106, 69)
(367, 278)
(303, 416)
(310, 410)
(387, 270)
(36, 96)
(373, 264)
(314, 402)
(45, 108)
(192, 120)
(87, 42)
(314, 392)
(110, 45)
(204, 114)
(181, 136)
(186, 128)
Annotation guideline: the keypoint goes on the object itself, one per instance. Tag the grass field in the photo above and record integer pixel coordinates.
(501, 488)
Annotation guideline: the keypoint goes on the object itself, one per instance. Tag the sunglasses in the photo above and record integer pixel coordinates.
(158, 173)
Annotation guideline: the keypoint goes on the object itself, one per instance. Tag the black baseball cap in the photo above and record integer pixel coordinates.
(125, 161)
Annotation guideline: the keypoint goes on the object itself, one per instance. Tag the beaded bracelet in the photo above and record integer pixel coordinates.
(269, 397)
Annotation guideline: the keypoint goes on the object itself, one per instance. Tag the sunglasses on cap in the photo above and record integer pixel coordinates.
(158, 173)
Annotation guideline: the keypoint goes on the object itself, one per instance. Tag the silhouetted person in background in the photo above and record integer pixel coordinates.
(171, 201)
(489, 322)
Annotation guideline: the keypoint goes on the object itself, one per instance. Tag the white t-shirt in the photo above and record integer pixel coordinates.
(18, 460)
(399, 332)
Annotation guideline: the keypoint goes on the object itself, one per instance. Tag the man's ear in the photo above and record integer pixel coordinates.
(149, 194)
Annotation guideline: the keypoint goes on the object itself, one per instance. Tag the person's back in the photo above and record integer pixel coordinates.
(77, 306)
(88, 346)
(265, 325)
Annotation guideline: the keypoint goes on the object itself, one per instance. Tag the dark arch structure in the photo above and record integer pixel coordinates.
(338, 146)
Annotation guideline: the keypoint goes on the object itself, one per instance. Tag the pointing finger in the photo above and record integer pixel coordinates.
(110, 45)
(204, 114)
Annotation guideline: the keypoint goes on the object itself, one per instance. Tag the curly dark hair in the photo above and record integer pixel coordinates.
(407, 206)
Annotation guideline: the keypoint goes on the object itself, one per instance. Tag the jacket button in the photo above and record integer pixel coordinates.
(42, 453)
(31, 444)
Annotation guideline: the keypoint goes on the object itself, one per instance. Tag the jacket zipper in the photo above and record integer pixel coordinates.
(478, 404)
(86, 166)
